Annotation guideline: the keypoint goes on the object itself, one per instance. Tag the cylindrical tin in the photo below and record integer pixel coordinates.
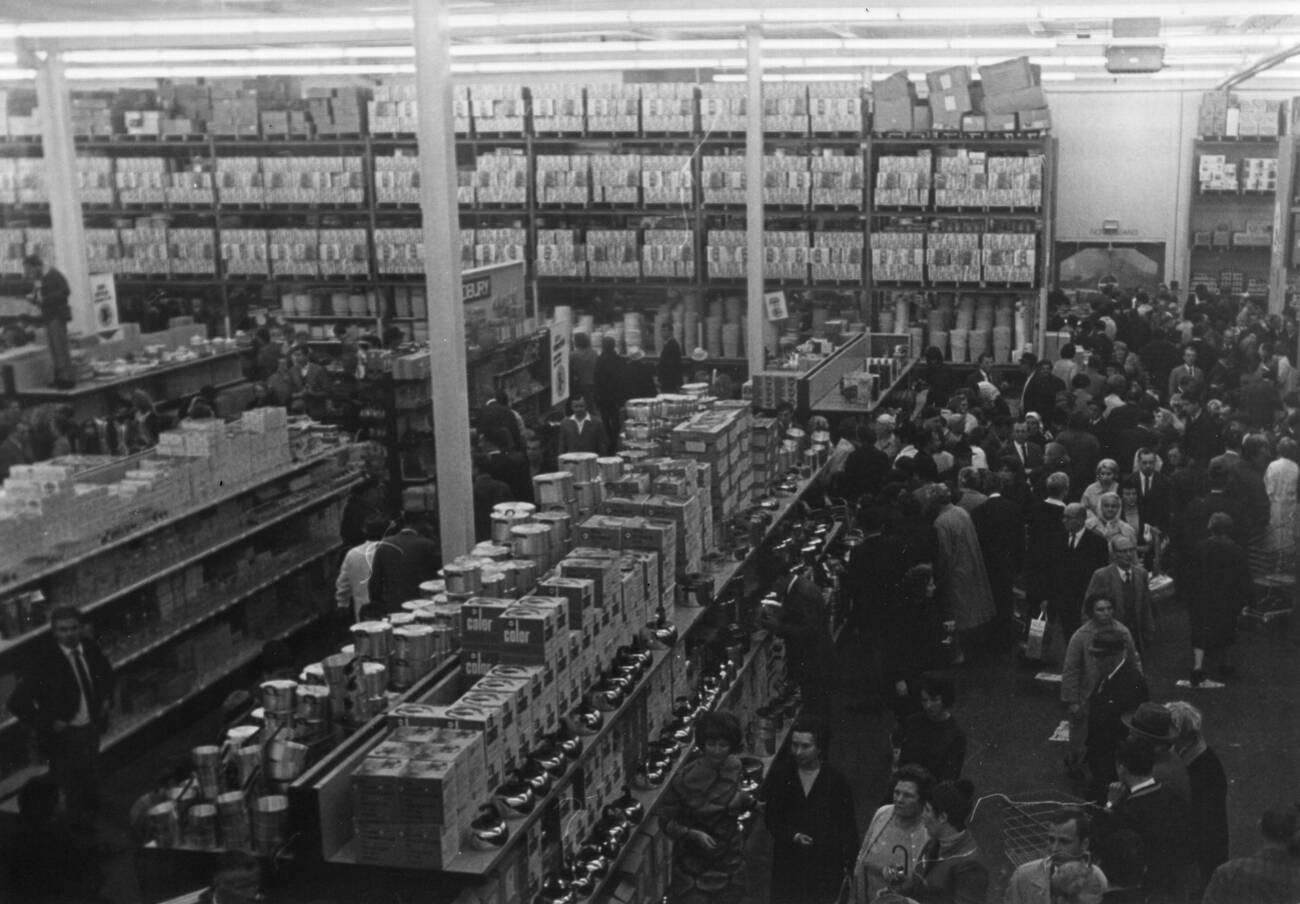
(277, 695)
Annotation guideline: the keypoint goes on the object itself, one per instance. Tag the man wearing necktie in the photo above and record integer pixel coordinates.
(1127, 583)
(64, 696)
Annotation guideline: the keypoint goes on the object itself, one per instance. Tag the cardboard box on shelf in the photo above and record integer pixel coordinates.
(1031, 98)
(892, 115)
(897, 87)
(1000, 122)
(1007, 77)
(1035, 120)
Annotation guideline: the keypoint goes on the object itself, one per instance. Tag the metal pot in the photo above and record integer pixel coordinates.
(488, 831)
(631, 807)
(588, 719)
(549, 757)
(516, 798)
(570, 745)
(538, 778)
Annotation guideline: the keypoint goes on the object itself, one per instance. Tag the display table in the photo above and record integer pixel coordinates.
(95, 398)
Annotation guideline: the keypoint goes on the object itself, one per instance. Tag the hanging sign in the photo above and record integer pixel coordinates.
(559, 365)
(774, 304)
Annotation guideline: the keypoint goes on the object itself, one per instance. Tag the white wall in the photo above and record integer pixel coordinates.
(1127, 155)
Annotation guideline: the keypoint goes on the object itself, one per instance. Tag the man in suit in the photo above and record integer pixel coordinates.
(983, 374)
(1041, 388)
(403, 560)
(1186, 371)
(1145, 829)
(810, 652)
(51, 292)
(1045, 540)
(1029, 454)
(1154, 501)
(1201, 439)
(1121, 690)
(510, 466)
(671, 368)
(65, 696)
(309, 384)
(580, 432)
(1081, 553)
(1126, 583)
(1000, 527)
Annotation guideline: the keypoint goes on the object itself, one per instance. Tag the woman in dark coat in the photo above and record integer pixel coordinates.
(1217, 584)
(911, 638)
(699, 809)
(1208, 784)
(811, 819)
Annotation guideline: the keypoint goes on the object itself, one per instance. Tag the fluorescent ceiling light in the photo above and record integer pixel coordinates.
(1280, 72)
(233, 55)
(575, 48)
(853, 77)
(1189, 74)
(17, 75)
(510, 66)
(262, 26)
(123, 73)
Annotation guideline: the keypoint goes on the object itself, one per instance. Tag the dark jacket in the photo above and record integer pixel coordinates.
(48, 692)
(1209, 811)
(494, 416)
(952, 876)
(511, 468)
(403, 561)
(1114, 696)
(671, 368)
(938, 746)
(1045, 540)
(53, 293)
(1146, 840)
(592, 438)
(812, 874)
(1000, 526)
(1075, 568)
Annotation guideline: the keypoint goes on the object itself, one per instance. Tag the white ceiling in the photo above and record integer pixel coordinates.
(1205, 42)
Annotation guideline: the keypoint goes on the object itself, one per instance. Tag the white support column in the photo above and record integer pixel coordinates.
(442, 275)
(60, 163)
(755, 316)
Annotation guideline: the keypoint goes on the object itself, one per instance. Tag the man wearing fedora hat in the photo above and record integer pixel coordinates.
(1119, 692)
(1154, 724)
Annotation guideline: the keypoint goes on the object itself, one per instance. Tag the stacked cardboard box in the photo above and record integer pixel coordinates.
(950, 97)
(614, 108)
(723, 178)
(615, 178)
(787, 180)
(898, 256)
(668, 252)
(494, 246)
(414, 795)
(234, 111)
(557, 109)
(1215, 173)
(563, 179)
(785, 108)
(835, 107)
(401, 250)
(1009, 257)
(560, 253)
(397, 177)
(836, 179)
(895, 107)
(726, 253)
(904, 181)
(953, 257)
(668, 107)
(1013, 87)
(836, 256)
(501, 177)
(497, 108)
(719, 437)
(612, 253)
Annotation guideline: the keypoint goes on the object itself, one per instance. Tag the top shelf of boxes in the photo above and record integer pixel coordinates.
(280, 109)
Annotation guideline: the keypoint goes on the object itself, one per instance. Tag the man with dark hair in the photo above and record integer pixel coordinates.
(1041, 388)
(1201, 440)
(65, 696)
(495, 416)
(507, 464)
(1119, 692)
(1069, 839)
(1271, 875)
(670, 369)
(1077, 558)
(1000, 527)
(1154, 503)
(1143, 834)
(403, 560)
(580, 431)
(50, 292)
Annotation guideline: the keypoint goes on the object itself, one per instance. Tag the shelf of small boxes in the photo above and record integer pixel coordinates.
(1250, 175)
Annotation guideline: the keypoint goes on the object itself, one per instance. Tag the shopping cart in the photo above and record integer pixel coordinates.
(1013, 829)
(1272, 570)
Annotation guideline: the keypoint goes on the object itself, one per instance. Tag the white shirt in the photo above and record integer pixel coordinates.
(352, 589)
(83, 708)
(1076, 537)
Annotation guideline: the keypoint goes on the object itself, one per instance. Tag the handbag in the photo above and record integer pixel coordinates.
(1037, 632)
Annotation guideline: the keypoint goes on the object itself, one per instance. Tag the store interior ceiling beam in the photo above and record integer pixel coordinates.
(1272, 61)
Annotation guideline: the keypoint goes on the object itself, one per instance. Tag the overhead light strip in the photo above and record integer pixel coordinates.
(270, 26)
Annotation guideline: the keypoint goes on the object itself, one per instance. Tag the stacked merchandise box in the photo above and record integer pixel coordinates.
(8, 180)
(193, 183)
(894, 105)
(774, 387)
(785, 255)
(313, 180)
(898, 255)
(837, 179)
(560, 253)
(245, 251)
(1016, 182)
(141, 181)
(723, 178)
(95, 179)
(667, 179)
(765, 452)
(497, 109)
(726, 253)
(495, 246)
(785, 108)
(720, 437)
(723, 106)
(668, 107)
(501, 177)
(563, 179)
(1012, 87)
(612, 253)
(558, 109)
(29, 181)
(344, 252)
(92, 115)
(904, 181)
(615, 178)
(145, 249)
(953, 255)
(1009, 257)
(950, 97)
(294, 252)
(836, 256)
(401, 250)
(103, 252)
(835, 108)
(614, 108)
(397, 177)
(1259, 118)
(234, 111)
(239, 181)
(12, 248)
(787, 180)
(414, 795)
(668, 252)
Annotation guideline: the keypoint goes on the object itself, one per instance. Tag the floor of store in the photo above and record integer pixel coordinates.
(1008, 714)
